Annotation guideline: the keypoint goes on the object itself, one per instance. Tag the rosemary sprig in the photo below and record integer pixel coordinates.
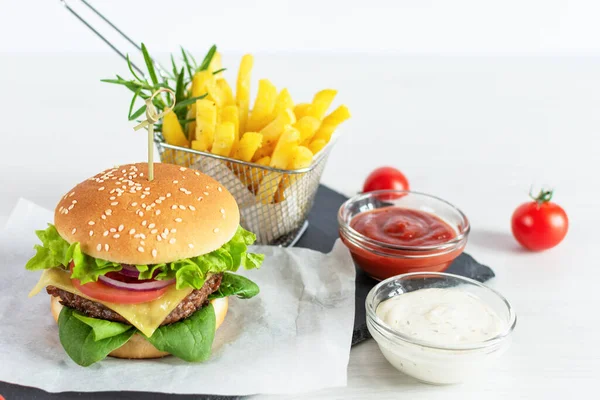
(143, 89)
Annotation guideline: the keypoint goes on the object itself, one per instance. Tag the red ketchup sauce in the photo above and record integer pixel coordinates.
(403, 227)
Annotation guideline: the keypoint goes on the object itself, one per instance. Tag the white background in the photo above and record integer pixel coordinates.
(473, 100)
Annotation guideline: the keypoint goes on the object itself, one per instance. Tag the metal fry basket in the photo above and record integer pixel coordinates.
(274, 203)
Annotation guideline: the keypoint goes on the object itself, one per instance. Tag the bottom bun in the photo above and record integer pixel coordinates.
(138, 346)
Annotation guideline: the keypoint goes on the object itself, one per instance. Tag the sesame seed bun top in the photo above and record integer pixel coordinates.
(120, 216)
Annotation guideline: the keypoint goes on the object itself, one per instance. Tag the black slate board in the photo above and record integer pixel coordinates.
(321, 235)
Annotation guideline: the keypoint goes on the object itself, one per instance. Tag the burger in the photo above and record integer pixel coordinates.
(143, 269)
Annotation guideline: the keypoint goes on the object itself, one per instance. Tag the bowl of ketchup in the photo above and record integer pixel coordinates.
(392, 232)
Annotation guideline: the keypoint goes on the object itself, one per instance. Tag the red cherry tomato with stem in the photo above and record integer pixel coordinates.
(384, 178)
(540, 224)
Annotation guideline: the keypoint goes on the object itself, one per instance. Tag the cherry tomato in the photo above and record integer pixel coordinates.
(100, 291)
(540, 224)
(385, 178)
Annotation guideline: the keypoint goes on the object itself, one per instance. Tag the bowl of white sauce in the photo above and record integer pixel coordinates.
(439, 328)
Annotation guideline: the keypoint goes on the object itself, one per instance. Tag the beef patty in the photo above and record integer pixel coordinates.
(195, 300)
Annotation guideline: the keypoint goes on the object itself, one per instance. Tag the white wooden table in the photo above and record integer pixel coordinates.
(476, 131)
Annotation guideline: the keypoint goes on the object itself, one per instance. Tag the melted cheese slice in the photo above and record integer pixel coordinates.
(144, 316)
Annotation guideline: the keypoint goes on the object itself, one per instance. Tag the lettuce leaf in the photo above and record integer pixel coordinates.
(188, 272)
(190, 339)
(235, 285)
(102, 328)
(77, 338)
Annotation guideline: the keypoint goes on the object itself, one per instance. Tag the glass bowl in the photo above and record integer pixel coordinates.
(382, 260)
(435, 363)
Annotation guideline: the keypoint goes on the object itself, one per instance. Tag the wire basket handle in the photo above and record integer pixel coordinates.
(114, 28)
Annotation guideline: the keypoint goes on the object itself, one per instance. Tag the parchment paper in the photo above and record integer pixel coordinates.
(294, 337)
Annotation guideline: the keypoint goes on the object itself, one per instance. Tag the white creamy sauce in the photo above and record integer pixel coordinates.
(441, 316)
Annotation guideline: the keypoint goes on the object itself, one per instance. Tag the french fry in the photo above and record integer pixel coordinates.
(199, 82)
(206, 121)
(215, 65)
(262, 112)
(268, 187)
(273, 131)
(242, 93)
(214, 92)
(255, 175)
(285, 148)
(226, 92)
(307, 126)
(172, 130)
(224, 137)
(317, 145)
(302, 110)
(283, 102)
(301, 158)
(191, 126)
(331, 122)
(321, 103)
(248, 145)
(230, 114)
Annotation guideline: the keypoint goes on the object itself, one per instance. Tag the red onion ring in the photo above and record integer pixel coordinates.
(129, 270)
(147, 285)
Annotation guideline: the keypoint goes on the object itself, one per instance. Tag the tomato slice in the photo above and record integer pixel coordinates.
(100, 291)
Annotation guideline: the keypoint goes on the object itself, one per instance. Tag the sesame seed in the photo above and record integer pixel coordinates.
(192, 208)
(73, 231)
(168, 194)
(121, 227)
(153, 231)
(131, 231)
(65, 211)
(173, 230)
(143, 205)
(142, 236)
(158, 238)
(200, 198)
(106, 246)
(103, 216)
(175, 181)
(99, 247)
(157, 212)
(161, 198)
(197, 173)
(153, 252)
(112, 230)
(114, 203)
(105, 233)
(152, 225)
(71, 206)
(101, 188)
(182, 169)
(112, 198)
(208, 187)
(91, 233)
(141, 249)
(112, 191)
(178, 220)
(174, 207)
(141, 214)
(74, 202)
(144, 222)
(166, 231)
(142, 243)
(220, 189)
(116, 236)
(133, 204)
(191, 246)
(158, 201)
(108, 212)
(182, 189)
(172, 240)
(181, 207)
(137, 235)
(141, 174)
(163, 235)
(71, 194)
(216, 230)
(91, 223)
(222, 211)
(143, 196)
